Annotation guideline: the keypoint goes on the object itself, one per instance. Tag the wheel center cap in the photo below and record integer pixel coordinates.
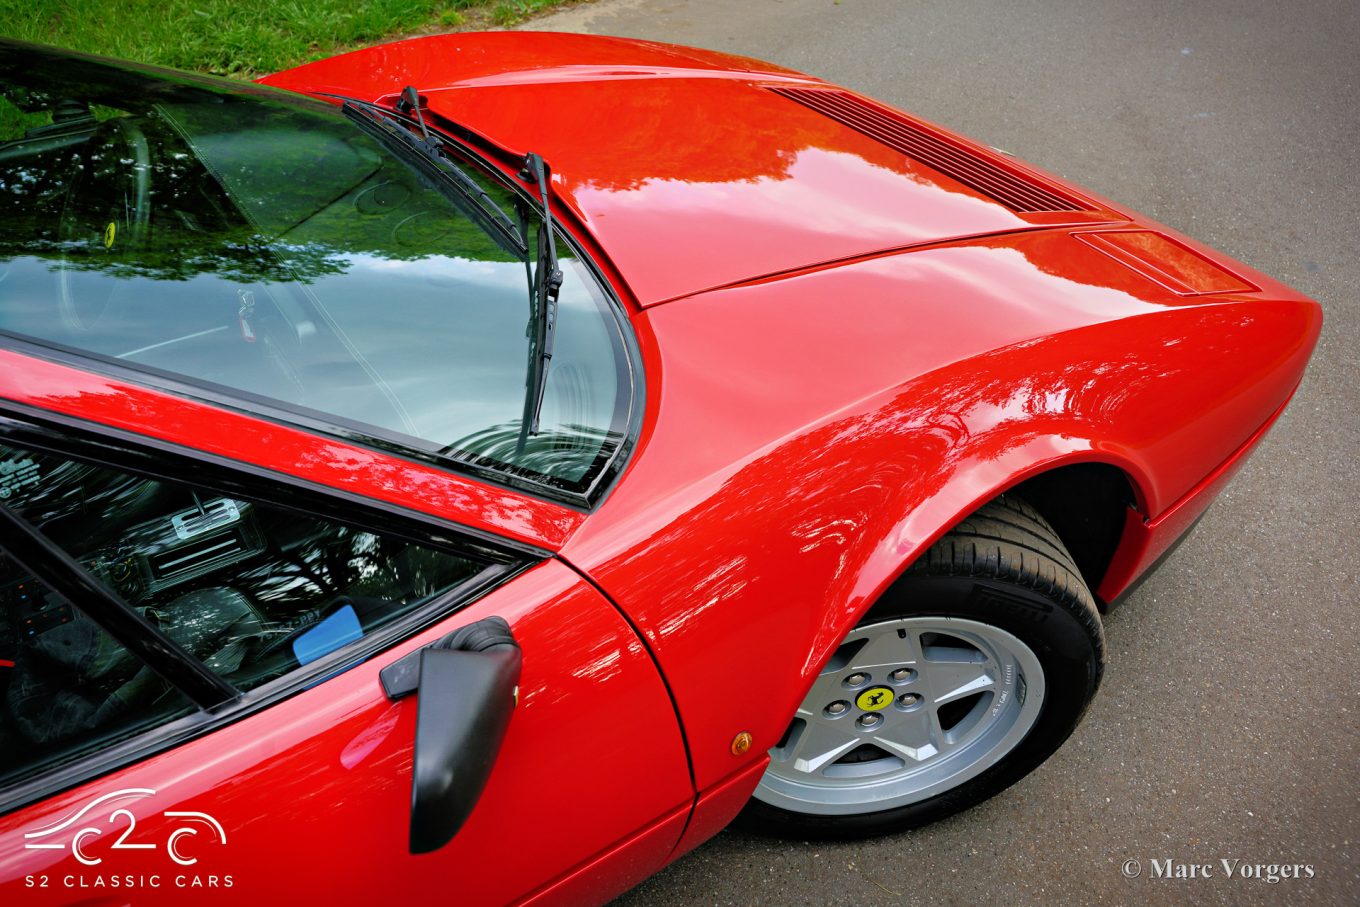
(874, 700)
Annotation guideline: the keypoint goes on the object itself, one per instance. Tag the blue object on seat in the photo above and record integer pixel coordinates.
(339, 628)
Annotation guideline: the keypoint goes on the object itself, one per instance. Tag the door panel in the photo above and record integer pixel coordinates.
(312, 795)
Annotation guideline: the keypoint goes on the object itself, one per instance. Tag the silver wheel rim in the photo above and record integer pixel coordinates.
(951, 698)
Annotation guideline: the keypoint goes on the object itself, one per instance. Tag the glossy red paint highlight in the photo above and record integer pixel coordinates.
(505, 58)
(683, 198)
(849, 420)
(844, 353)
(314, 793)
(1170, 264)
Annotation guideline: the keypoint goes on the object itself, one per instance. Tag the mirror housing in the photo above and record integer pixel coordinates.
(466, 686)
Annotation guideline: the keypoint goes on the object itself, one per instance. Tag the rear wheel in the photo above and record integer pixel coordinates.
(969, 672)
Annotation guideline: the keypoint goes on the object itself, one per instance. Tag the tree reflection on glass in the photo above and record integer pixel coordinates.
(261, 243)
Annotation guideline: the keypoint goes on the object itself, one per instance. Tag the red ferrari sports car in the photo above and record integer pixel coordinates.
(489, 464)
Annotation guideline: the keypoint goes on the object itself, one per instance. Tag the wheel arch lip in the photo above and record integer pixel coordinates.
(986, 480)
(1140, 546)
(1162, 506)
(911, 534)
(705, 544)
(1152, 526)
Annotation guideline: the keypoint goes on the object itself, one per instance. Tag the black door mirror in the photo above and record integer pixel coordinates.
(466, 686)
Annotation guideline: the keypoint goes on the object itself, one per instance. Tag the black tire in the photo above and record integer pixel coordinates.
(1004, 566)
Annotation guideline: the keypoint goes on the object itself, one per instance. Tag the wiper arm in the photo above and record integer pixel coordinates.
(469, 197)
(543, 290)
(410, 101)
(545, 281)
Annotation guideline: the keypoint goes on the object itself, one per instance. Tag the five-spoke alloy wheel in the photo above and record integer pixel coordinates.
(969, 672)
(907, 708)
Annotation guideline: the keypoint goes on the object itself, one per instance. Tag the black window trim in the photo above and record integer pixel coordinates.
(481, 153)
(62, 435)
(335, 426)
(105, 445)
(67, 577)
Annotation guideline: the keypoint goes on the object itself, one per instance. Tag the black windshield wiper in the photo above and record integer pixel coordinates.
(410, 104)
(543, 305)
(543, 290)
(545, 280)
(389, 126)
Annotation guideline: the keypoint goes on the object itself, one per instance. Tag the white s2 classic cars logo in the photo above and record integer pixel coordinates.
(58, 836)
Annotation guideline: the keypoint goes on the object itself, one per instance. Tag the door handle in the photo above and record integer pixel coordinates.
(466, 686)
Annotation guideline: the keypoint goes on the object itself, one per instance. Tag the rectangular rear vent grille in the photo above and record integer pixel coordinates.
(1019, 193)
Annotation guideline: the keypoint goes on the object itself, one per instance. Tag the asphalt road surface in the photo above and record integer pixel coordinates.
(1228, 725)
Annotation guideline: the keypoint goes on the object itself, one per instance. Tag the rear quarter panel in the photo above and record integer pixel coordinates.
(808, 437)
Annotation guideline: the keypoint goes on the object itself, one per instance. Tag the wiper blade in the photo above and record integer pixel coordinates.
(469, 197)
(543, 290)
(545, 280)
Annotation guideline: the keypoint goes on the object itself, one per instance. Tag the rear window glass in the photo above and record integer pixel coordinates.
(251, 590)
(271, 252)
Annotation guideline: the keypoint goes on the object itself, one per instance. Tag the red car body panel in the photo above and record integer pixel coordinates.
(371, 473)
(322, 780)
(791, 511)
(865, 351)
(1145, 541)
(682, 195)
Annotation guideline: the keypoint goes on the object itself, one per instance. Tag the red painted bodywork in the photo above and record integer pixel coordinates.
(155, 414)
(844, 354)
(690, 174)
(314, 794)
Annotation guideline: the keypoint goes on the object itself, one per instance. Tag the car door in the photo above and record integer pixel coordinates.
(191, 702)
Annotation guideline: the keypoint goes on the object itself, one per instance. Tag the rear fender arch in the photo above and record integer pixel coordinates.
(975, 482)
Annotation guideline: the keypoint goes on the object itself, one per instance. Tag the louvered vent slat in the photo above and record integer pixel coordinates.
(951, 161)
(1019, 193)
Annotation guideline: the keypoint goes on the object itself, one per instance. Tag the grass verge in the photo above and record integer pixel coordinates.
(245, 38)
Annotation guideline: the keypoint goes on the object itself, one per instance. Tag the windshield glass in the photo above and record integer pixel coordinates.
(267, 249)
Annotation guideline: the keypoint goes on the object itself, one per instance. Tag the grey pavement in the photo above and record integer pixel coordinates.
(1228, 726)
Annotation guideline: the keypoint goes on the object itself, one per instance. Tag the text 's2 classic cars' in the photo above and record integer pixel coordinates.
(491, 464)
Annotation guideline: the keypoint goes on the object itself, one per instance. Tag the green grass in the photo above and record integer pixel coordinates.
(513, 11)
(243, 38)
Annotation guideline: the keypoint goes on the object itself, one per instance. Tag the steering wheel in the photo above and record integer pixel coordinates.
(106, 216)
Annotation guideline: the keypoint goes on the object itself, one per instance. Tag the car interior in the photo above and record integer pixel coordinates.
(252, 591)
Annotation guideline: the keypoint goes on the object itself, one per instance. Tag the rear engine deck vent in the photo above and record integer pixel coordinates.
(1019, 192)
